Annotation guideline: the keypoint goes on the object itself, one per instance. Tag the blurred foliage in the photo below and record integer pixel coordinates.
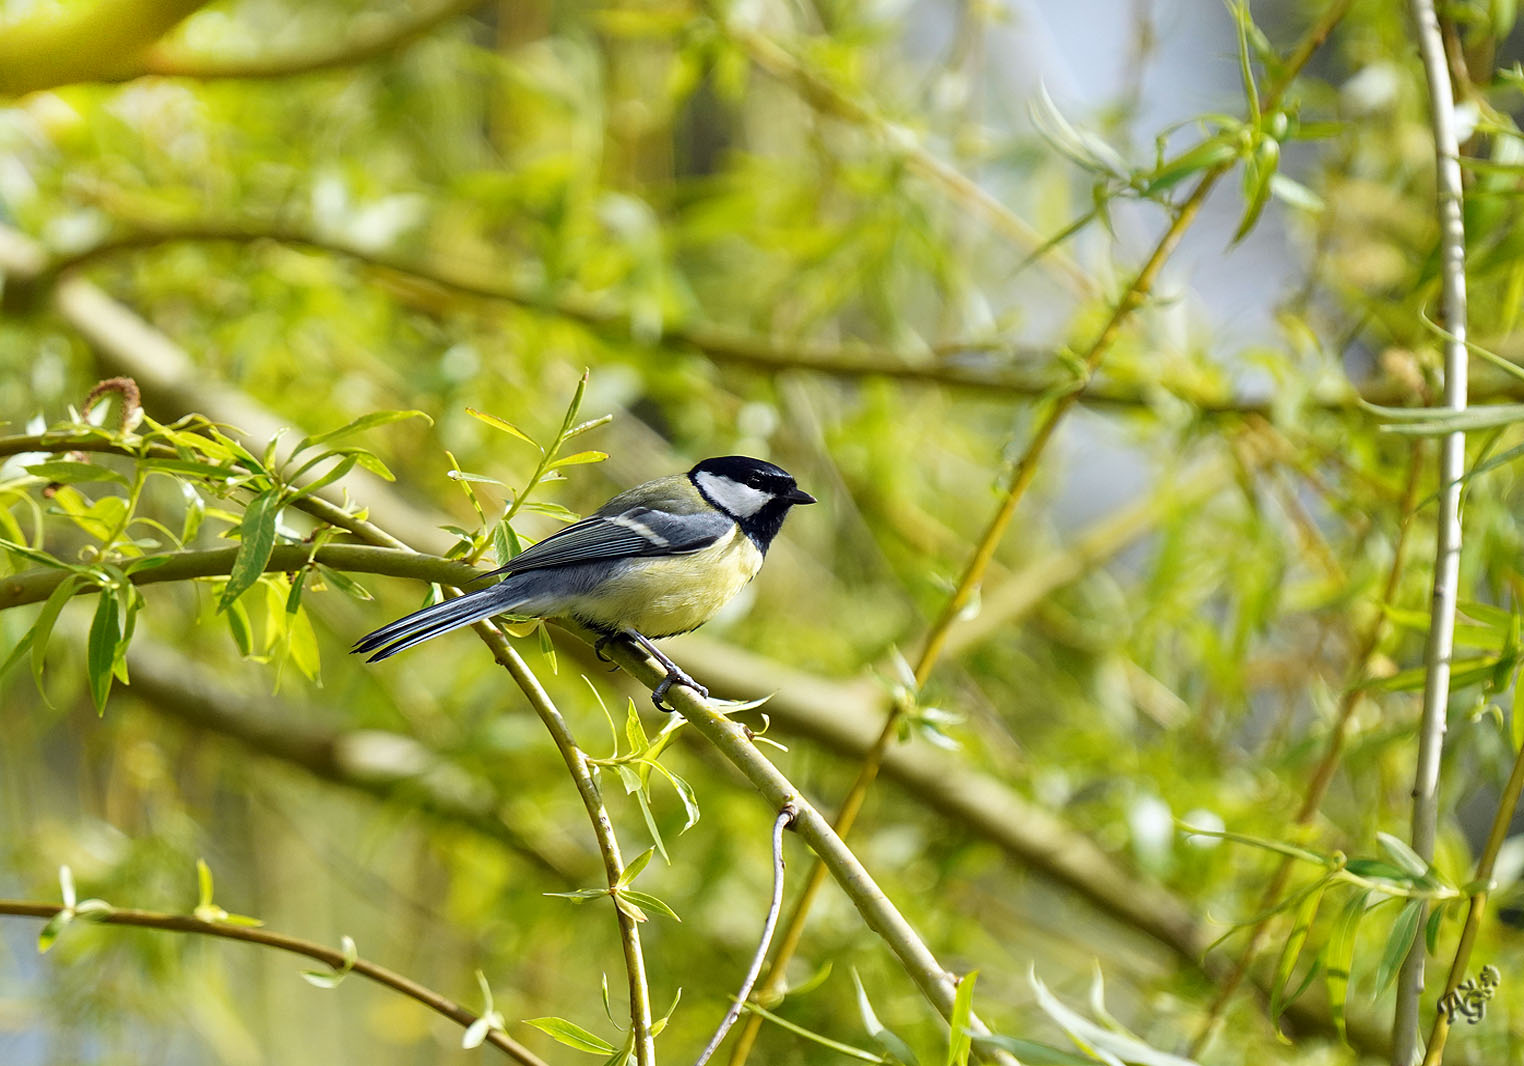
(748, 222)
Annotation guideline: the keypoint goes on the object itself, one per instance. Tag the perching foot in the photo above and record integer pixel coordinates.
(675, 673)
(675, 677)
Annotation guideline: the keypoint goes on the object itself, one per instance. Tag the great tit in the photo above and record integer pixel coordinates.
(656, 560)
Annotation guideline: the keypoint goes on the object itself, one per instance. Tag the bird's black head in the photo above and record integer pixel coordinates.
(756, 494)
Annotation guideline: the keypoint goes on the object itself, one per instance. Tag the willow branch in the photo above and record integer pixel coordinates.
(1452, 467)
(723, 346)
(313, 504)
(351, 49)
(733, 741)
(335, 960)
(125, 42)
(1502, 819)
(780, 823)
(584, 774)
(34, 586)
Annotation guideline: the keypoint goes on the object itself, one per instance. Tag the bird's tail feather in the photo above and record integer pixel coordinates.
(434, 620)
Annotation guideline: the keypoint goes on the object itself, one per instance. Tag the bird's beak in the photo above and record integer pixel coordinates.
(799, 496)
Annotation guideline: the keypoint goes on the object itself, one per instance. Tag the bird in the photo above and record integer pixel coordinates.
(655, 561)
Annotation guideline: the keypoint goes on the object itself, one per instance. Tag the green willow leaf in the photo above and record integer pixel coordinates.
(1399, 942)
(359, 425)
(1301, 925)
(959, 1043)
(42, 629)
(257, 541)
(1339, 958)
(645, 901)
(894, 1046)
(572, 1035)
(101, 647)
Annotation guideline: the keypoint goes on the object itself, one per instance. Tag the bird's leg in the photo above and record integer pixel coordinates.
(675, 673)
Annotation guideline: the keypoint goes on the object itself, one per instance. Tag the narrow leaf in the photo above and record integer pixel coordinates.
(572, 1035)
(579, 459)
(359, 425)
(824, 1041)
(959, 1044)
(1032, 1053)
(1291, 951)
(1339, 958)
(503, 425)
(42, 629)
(1402, 855)
(634, 868)
(50, 931)
(256, 542)
(650, 902)
(881, 1035)
(1399, 942)
(328, 477)
(203, 884)
(635, 733)
(100, 655)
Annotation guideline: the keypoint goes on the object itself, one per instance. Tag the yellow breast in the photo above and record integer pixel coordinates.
(667, 595)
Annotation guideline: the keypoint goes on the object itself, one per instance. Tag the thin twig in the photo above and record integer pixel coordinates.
(34, 586)
(1452, 467)
(785, 817)
(583, 772)
(179, 923)
(1508, 802)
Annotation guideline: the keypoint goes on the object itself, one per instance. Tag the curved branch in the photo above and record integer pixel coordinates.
(335, 960)
(780, 823)
(352, 50)
(584, 774)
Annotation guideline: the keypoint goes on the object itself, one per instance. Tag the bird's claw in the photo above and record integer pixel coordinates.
(675, 677)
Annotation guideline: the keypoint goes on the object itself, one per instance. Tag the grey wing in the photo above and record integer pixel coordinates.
(632, 532)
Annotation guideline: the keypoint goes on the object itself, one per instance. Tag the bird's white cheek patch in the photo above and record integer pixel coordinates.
(740, 500)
